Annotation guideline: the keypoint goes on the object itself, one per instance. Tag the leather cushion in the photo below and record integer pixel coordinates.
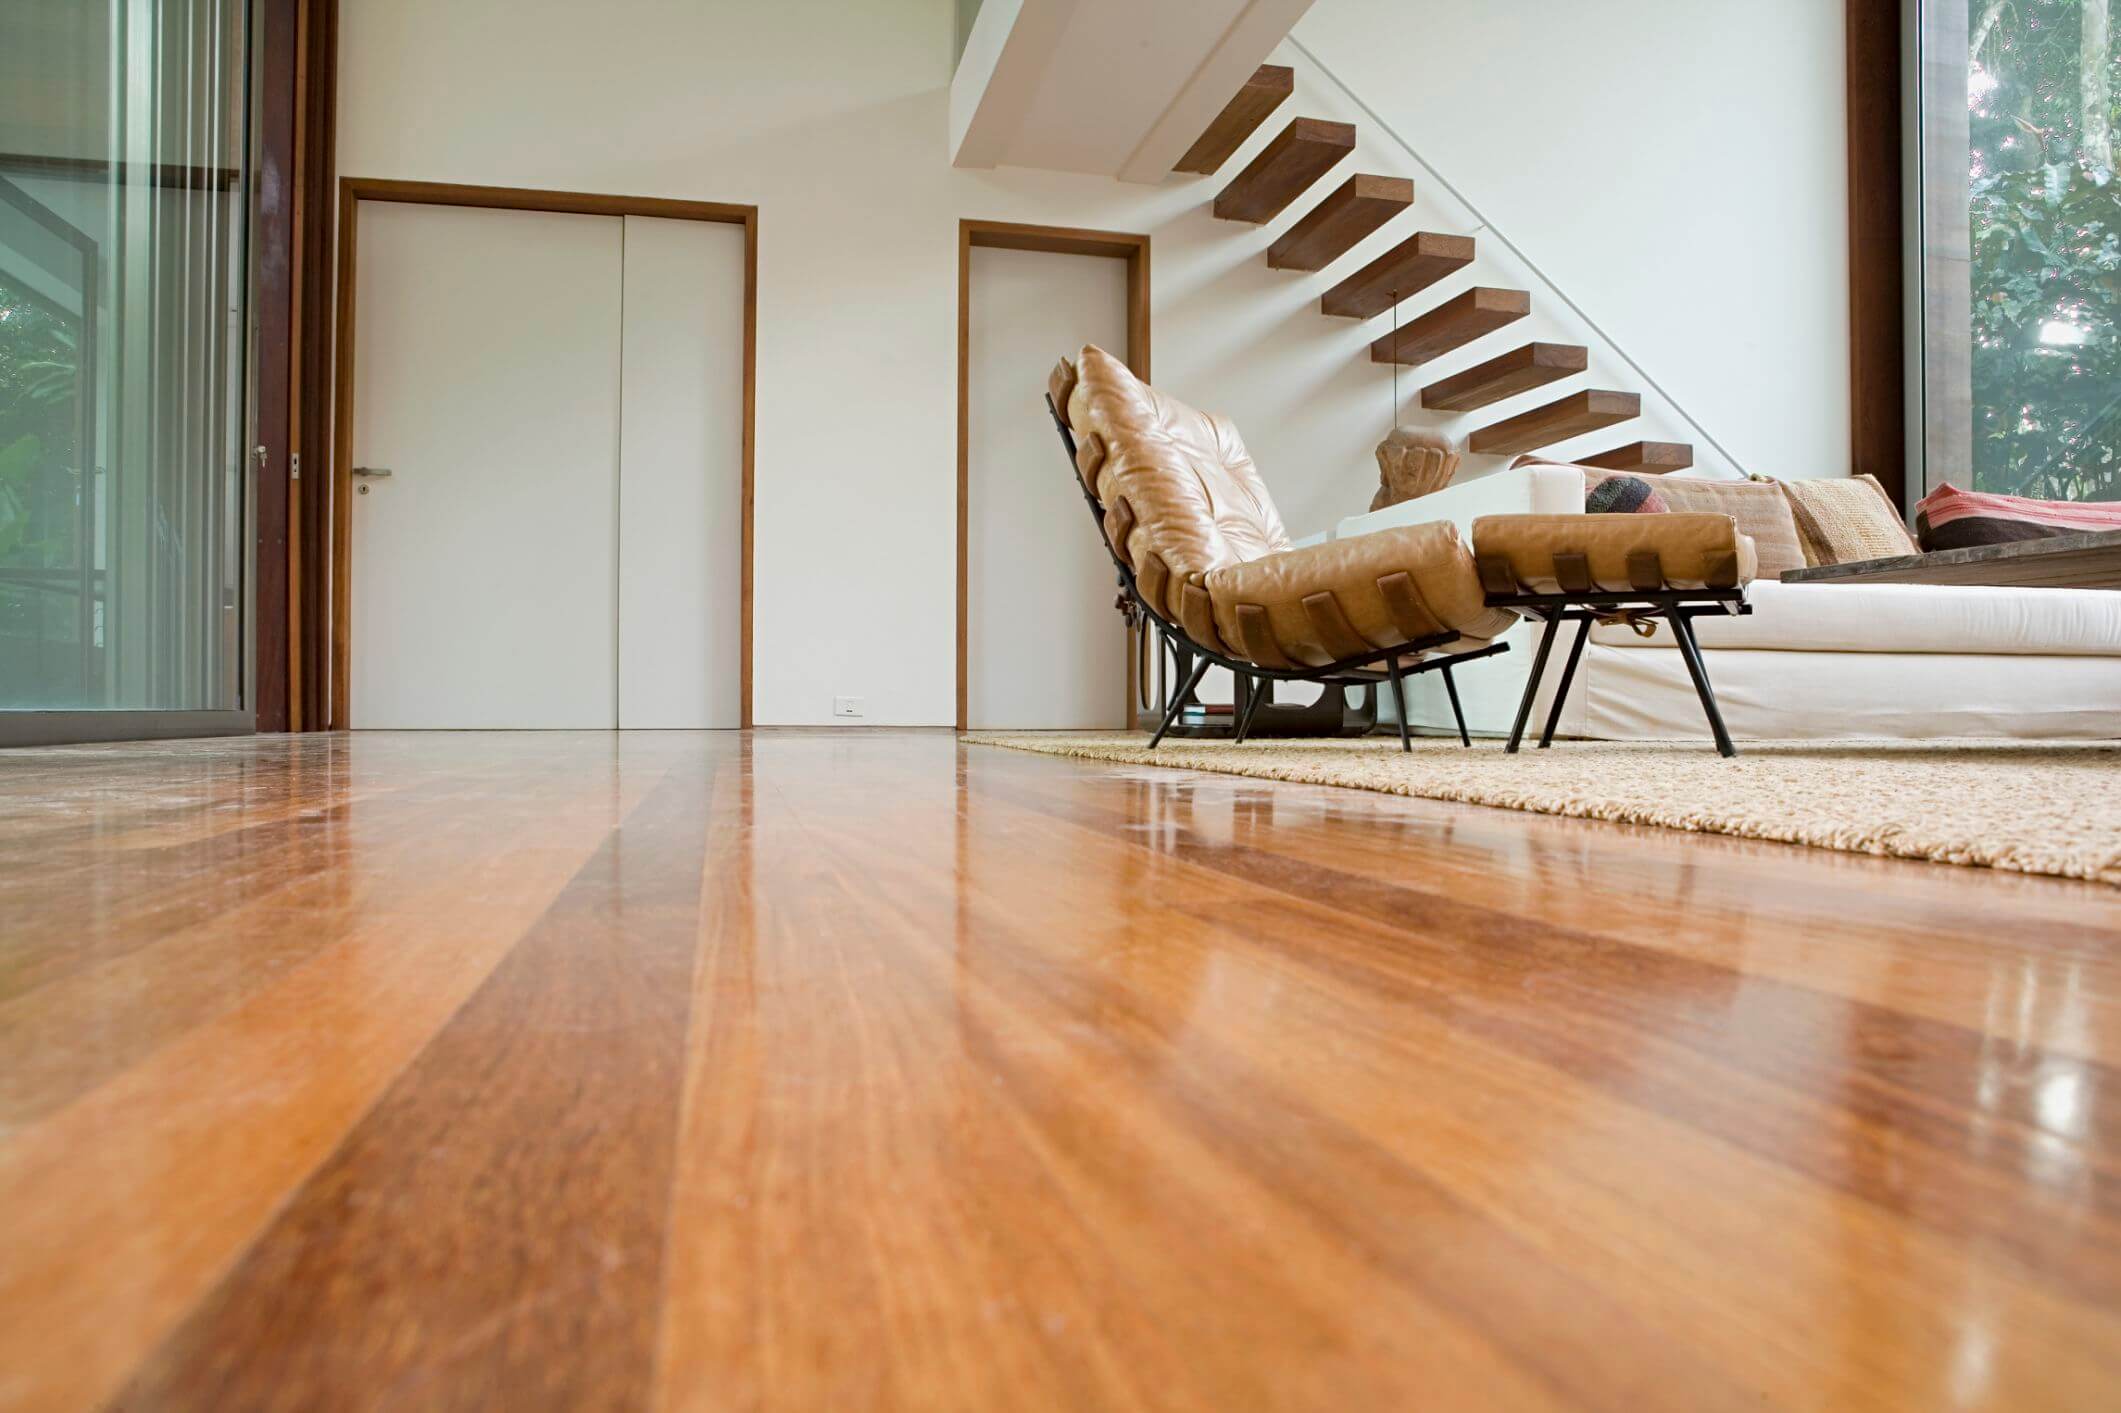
(1194, 501)
(1687, 551)
(1324, 603)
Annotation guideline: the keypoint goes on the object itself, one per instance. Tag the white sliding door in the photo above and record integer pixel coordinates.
(487, 385)
(681, 475)
(1044, 649)
(558, 402)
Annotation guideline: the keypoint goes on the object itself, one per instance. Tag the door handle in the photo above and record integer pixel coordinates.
(371, 470)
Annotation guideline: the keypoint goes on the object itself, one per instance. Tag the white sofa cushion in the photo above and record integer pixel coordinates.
(1905, 618)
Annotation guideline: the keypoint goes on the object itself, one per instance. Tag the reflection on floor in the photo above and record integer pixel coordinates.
(824, 1070)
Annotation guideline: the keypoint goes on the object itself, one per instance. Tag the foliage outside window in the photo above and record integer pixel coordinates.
(2044, 227)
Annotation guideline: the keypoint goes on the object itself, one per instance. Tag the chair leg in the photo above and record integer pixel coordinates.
(1256, 690)
(1178, 701)
(1568, 675)
(1531, 683)
(1457, 712)
(1683, 631)
(1399, 706)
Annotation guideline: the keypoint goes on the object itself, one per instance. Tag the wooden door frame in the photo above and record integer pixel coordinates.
(1046, 240)
(355, 190)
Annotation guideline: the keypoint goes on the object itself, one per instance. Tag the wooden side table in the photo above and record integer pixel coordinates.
(2091, 560)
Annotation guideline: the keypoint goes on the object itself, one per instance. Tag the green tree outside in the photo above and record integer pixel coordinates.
(2045, 219)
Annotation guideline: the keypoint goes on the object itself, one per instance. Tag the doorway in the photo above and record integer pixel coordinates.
(1039, 646)
(542, 486)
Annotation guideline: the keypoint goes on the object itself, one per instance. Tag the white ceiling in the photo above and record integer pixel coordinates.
(1116, 87)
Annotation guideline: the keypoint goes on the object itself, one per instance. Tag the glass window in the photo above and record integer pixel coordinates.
(123, 202)
(2021, 247)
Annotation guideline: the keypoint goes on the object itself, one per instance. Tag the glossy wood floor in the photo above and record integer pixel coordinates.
(863, 1070)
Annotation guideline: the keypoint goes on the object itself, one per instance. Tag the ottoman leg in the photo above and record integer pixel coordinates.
(1399, 706)
(1683, 631)
(1457, 712)
(1531, 683)
(1568, 675)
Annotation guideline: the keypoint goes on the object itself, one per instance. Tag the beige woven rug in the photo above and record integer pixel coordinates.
(2032, 807)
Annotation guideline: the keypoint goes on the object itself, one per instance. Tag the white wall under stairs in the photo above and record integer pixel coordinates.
(1678, 167)
(833, 118)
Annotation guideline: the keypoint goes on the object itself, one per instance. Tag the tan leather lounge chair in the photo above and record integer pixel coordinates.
(1200, 547)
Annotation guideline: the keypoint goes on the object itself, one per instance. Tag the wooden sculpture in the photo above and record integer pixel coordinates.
(1413, 462)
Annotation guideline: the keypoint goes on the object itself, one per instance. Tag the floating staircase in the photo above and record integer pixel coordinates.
(1239, 119)
(1306, 150)
(1558, 421)
(1362, 204)
(1646, 458)
(1400, 273)
(1520, 370)
(1291, 164)
(1452, 324)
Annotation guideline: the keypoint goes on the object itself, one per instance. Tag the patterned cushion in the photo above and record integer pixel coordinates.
(1760, 510)
(1949, 518)
(1623, 495)
(1846, 518)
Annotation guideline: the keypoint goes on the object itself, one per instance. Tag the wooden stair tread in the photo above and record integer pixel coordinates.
(1506, 375)
(1409, 267)
(1304, 151)
(1240, 117)
(1557, 421)
(1451, 324)
(1357, 207)
(1644, 458)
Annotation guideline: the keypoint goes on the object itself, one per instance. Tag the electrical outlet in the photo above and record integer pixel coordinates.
(846, 706)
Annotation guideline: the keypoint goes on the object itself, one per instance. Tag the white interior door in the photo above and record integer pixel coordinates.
(681, 475)
(487, 381)
(1043, 649)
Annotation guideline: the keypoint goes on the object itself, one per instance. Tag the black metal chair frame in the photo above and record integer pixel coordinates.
(1678, 607)
(1358, 671)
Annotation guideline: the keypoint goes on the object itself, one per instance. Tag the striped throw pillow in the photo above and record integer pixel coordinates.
(1949, 518)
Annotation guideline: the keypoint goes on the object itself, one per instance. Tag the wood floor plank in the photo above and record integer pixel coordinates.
(808, 1069)
(121, 1209)
(1827, 1074)
(414, 1269)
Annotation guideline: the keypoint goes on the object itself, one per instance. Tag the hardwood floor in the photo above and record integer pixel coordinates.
(862, 1069)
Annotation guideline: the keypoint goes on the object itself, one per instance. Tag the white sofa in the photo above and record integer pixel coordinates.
(1812, 660)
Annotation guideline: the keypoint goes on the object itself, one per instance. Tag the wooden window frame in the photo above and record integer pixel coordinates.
(1877, 245)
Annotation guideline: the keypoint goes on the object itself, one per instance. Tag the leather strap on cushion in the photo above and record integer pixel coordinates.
(1119, 528)
(1255, 640)
(1354, 597)
(1554, 554)
(1090, 460)
(1496, 580)
(1410, 615)
(1154, 581)
(1060, 386)
(1573, 571)
(1197, 616)
(1334, 632)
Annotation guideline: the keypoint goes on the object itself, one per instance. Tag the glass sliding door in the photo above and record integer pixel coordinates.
(2020, 209)
(124, 201)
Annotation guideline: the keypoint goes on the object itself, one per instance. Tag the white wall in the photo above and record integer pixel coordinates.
(1679, 167)
(833, 119)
